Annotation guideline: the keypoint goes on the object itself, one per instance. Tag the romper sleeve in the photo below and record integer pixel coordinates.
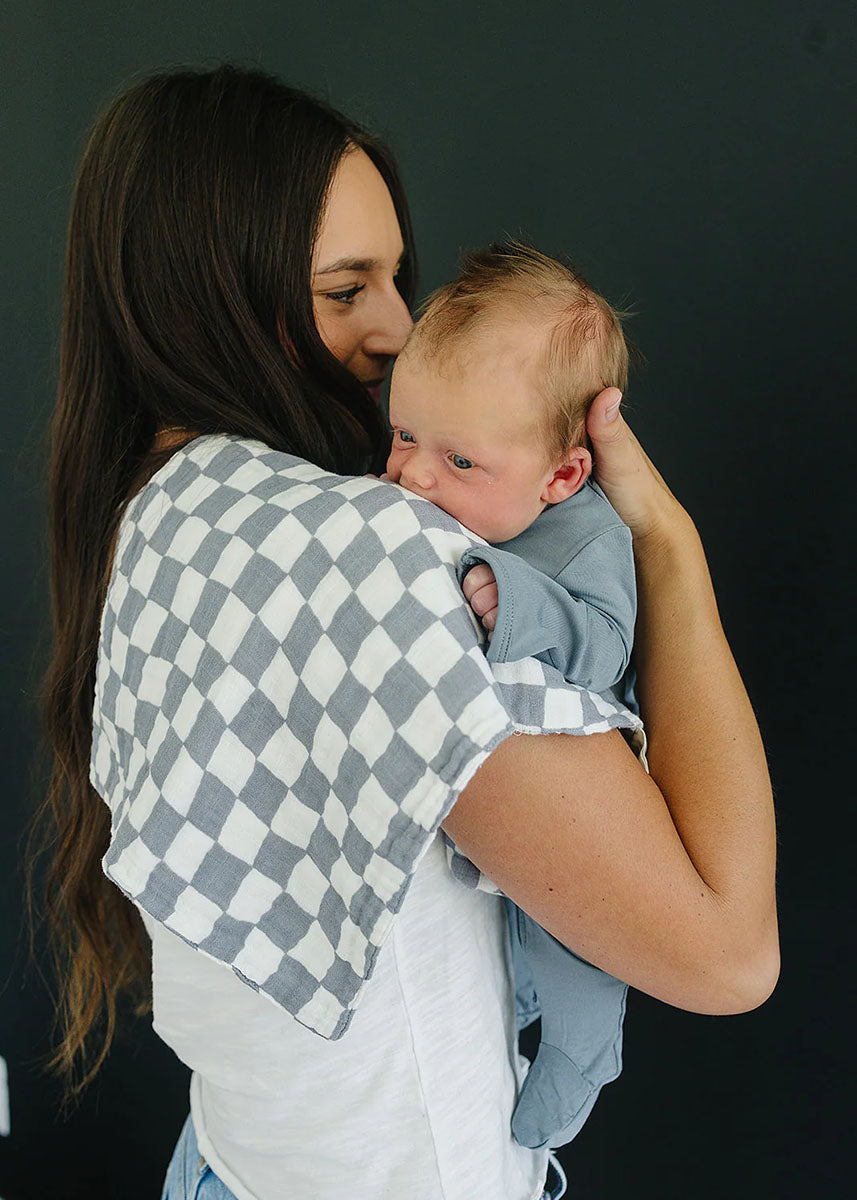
(290, 694)
(582, 622)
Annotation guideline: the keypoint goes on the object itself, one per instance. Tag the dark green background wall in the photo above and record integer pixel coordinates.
(698, 162)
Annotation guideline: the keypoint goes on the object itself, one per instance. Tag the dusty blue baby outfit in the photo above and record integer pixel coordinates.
(567, 595)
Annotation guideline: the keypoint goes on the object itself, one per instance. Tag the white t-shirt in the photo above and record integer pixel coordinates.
(414, 1102)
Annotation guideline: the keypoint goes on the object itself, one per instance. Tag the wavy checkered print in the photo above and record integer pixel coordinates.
(290, 694)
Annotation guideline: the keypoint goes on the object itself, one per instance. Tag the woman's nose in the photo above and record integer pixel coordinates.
(391, 327)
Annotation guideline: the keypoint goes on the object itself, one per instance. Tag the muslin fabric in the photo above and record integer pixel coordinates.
(290, 694)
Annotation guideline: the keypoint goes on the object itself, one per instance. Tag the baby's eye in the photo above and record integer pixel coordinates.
(406, 437)
(458, 460)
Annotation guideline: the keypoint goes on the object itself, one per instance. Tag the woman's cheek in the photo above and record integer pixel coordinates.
(338, 339)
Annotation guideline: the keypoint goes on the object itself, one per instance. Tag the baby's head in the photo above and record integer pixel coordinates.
(489, 396)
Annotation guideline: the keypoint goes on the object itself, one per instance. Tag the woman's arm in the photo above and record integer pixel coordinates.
(666, 882)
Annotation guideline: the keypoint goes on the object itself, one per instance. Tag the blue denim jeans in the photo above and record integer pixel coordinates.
(189, 1177)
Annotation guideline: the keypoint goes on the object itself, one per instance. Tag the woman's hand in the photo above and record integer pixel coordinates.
(630, 480)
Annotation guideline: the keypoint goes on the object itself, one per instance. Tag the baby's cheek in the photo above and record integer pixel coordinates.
(393, 469)
(501, 517)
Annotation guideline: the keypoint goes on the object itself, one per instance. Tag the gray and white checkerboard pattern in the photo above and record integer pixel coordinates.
(290, 694)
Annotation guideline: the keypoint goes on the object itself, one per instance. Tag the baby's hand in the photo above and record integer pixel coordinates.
(480, 588)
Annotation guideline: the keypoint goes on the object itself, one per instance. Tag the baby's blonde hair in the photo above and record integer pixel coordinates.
(585, 346)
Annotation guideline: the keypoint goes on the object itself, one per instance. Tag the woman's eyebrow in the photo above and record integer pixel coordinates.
(356, 264)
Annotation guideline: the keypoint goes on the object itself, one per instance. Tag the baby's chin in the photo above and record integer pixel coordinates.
(497, 530)
(496, 535)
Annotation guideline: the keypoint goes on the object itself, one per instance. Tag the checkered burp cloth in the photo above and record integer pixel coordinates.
(290, 694)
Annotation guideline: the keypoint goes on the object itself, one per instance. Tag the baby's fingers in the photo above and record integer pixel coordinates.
(484, 601)
(477, 577)
(482, 594)
(489, 619)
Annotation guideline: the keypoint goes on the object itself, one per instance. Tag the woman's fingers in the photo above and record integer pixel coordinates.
(629, 478)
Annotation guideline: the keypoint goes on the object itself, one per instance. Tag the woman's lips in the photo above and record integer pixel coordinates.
(374, 390)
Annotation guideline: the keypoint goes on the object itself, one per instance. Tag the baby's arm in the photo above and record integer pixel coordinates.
(582, 622)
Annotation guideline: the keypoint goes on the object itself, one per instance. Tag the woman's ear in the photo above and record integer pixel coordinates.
(569, 477)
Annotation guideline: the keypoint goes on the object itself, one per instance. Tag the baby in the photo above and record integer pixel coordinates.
(488, 404)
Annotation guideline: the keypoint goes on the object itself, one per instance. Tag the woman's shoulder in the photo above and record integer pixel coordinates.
(230, 527)
(242, 486)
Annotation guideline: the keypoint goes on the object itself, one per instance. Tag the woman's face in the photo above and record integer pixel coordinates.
(359, 313)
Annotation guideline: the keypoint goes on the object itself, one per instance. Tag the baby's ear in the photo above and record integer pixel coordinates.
(570, 476)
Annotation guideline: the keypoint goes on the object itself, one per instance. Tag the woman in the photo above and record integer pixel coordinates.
(239, 275)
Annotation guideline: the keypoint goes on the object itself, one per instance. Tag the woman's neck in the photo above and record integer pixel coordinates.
(166, 439)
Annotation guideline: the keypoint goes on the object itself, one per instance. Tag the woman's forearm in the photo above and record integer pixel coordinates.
(705, 752)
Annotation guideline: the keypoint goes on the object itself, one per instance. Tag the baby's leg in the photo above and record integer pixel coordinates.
(582, 1011)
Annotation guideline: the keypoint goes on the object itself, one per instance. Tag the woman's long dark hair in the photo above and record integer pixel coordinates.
(196, 208)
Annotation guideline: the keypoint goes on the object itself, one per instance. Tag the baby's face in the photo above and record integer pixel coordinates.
(469, 439)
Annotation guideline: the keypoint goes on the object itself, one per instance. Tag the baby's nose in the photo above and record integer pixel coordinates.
(418, 478)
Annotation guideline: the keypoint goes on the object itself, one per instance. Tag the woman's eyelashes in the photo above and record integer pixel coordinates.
(346, 296)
